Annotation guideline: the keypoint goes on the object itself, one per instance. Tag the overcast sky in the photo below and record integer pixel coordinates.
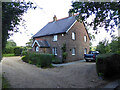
(38, 18)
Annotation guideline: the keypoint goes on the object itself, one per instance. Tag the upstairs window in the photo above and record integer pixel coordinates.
(55, 38)
(85, 38)
(73, 35)
(54, 51)
(73, 51)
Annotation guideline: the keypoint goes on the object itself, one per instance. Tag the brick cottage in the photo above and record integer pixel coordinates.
(67, 31)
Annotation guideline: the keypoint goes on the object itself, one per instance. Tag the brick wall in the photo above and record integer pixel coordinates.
(79, 43)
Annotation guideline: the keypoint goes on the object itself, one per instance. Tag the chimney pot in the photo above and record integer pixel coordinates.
(54, 18)
(71, 13)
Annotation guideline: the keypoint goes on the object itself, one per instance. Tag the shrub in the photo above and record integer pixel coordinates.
(45, 60)
(23, 53)
(30, 62)
(65, 55)
(42, 60)
(24, 58)
(56, 60)
(108, 65)
(9, 50)
(18, 50)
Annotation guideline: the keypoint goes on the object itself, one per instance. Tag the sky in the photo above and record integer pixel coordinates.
(38, 18)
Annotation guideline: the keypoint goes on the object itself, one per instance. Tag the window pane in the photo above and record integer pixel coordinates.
(73, 51)
(85, 38)
(55, 38)
(73, 35)
(85, 51)
(52, 50)
(55, 51)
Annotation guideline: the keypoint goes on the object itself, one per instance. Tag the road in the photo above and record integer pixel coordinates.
(76, 75)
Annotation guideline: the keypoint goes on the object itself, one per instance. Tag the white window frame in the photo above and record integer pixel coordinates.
(85, 51)
(73, 36)
(37, 49)
(55, 38)
(73, 51)
(85, 38)
(54, 50)
(62, 34)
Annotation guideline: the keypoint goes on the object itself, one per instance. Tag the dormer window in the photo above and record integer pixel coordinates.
(73, 35)
(85, 38)
(55, 38)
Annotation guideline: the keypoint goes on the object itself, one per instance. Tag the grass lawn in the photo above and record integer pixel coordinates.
(8, 55)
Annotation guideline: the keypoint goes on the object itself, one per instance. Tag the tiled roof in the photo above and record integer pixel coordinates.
(43, 43)
(56, 27)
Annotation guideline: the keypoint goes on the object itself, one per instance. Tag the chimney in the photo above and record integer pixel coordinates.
(54, 18)
(71, 13)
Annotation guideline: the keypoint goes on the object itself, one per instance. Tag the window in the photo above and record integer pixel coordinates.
(37, 49)
(85, 38)
(54, 51)
(73, 51)
(73, 35)
(85, 51)
(62, 34)
(55, 38)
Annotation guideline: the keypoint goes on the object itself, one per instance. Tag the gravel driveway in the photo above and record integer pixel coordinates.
(77, 75)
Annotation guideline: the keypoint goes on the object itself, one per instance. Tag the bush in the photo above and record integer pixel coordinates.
(24, 58)
(56, 60)
(108, 65)
(9, 50)
(42, 60)
(24, 53)
(18, 50)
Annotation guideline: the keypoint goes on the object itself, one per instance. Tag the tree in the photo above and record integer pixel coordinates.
(106, 14)
(103, 47)
(115, 45)
(11, 16)
(29, 44)
(92, 37)
(10, 43)
(9, 49)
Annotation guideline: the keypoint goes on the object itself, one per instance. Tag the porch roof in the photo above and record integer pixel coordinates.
(41, 43)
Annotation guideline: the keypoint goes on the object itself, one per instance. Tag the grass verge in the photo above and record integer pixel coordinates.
(5, 83)
(8, 55)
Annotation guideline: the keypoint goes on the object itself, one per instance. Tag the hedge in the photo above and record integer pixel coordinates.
(56, 60)
(108, 65)
(42, 60)
(18, 51)
(8, 50)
